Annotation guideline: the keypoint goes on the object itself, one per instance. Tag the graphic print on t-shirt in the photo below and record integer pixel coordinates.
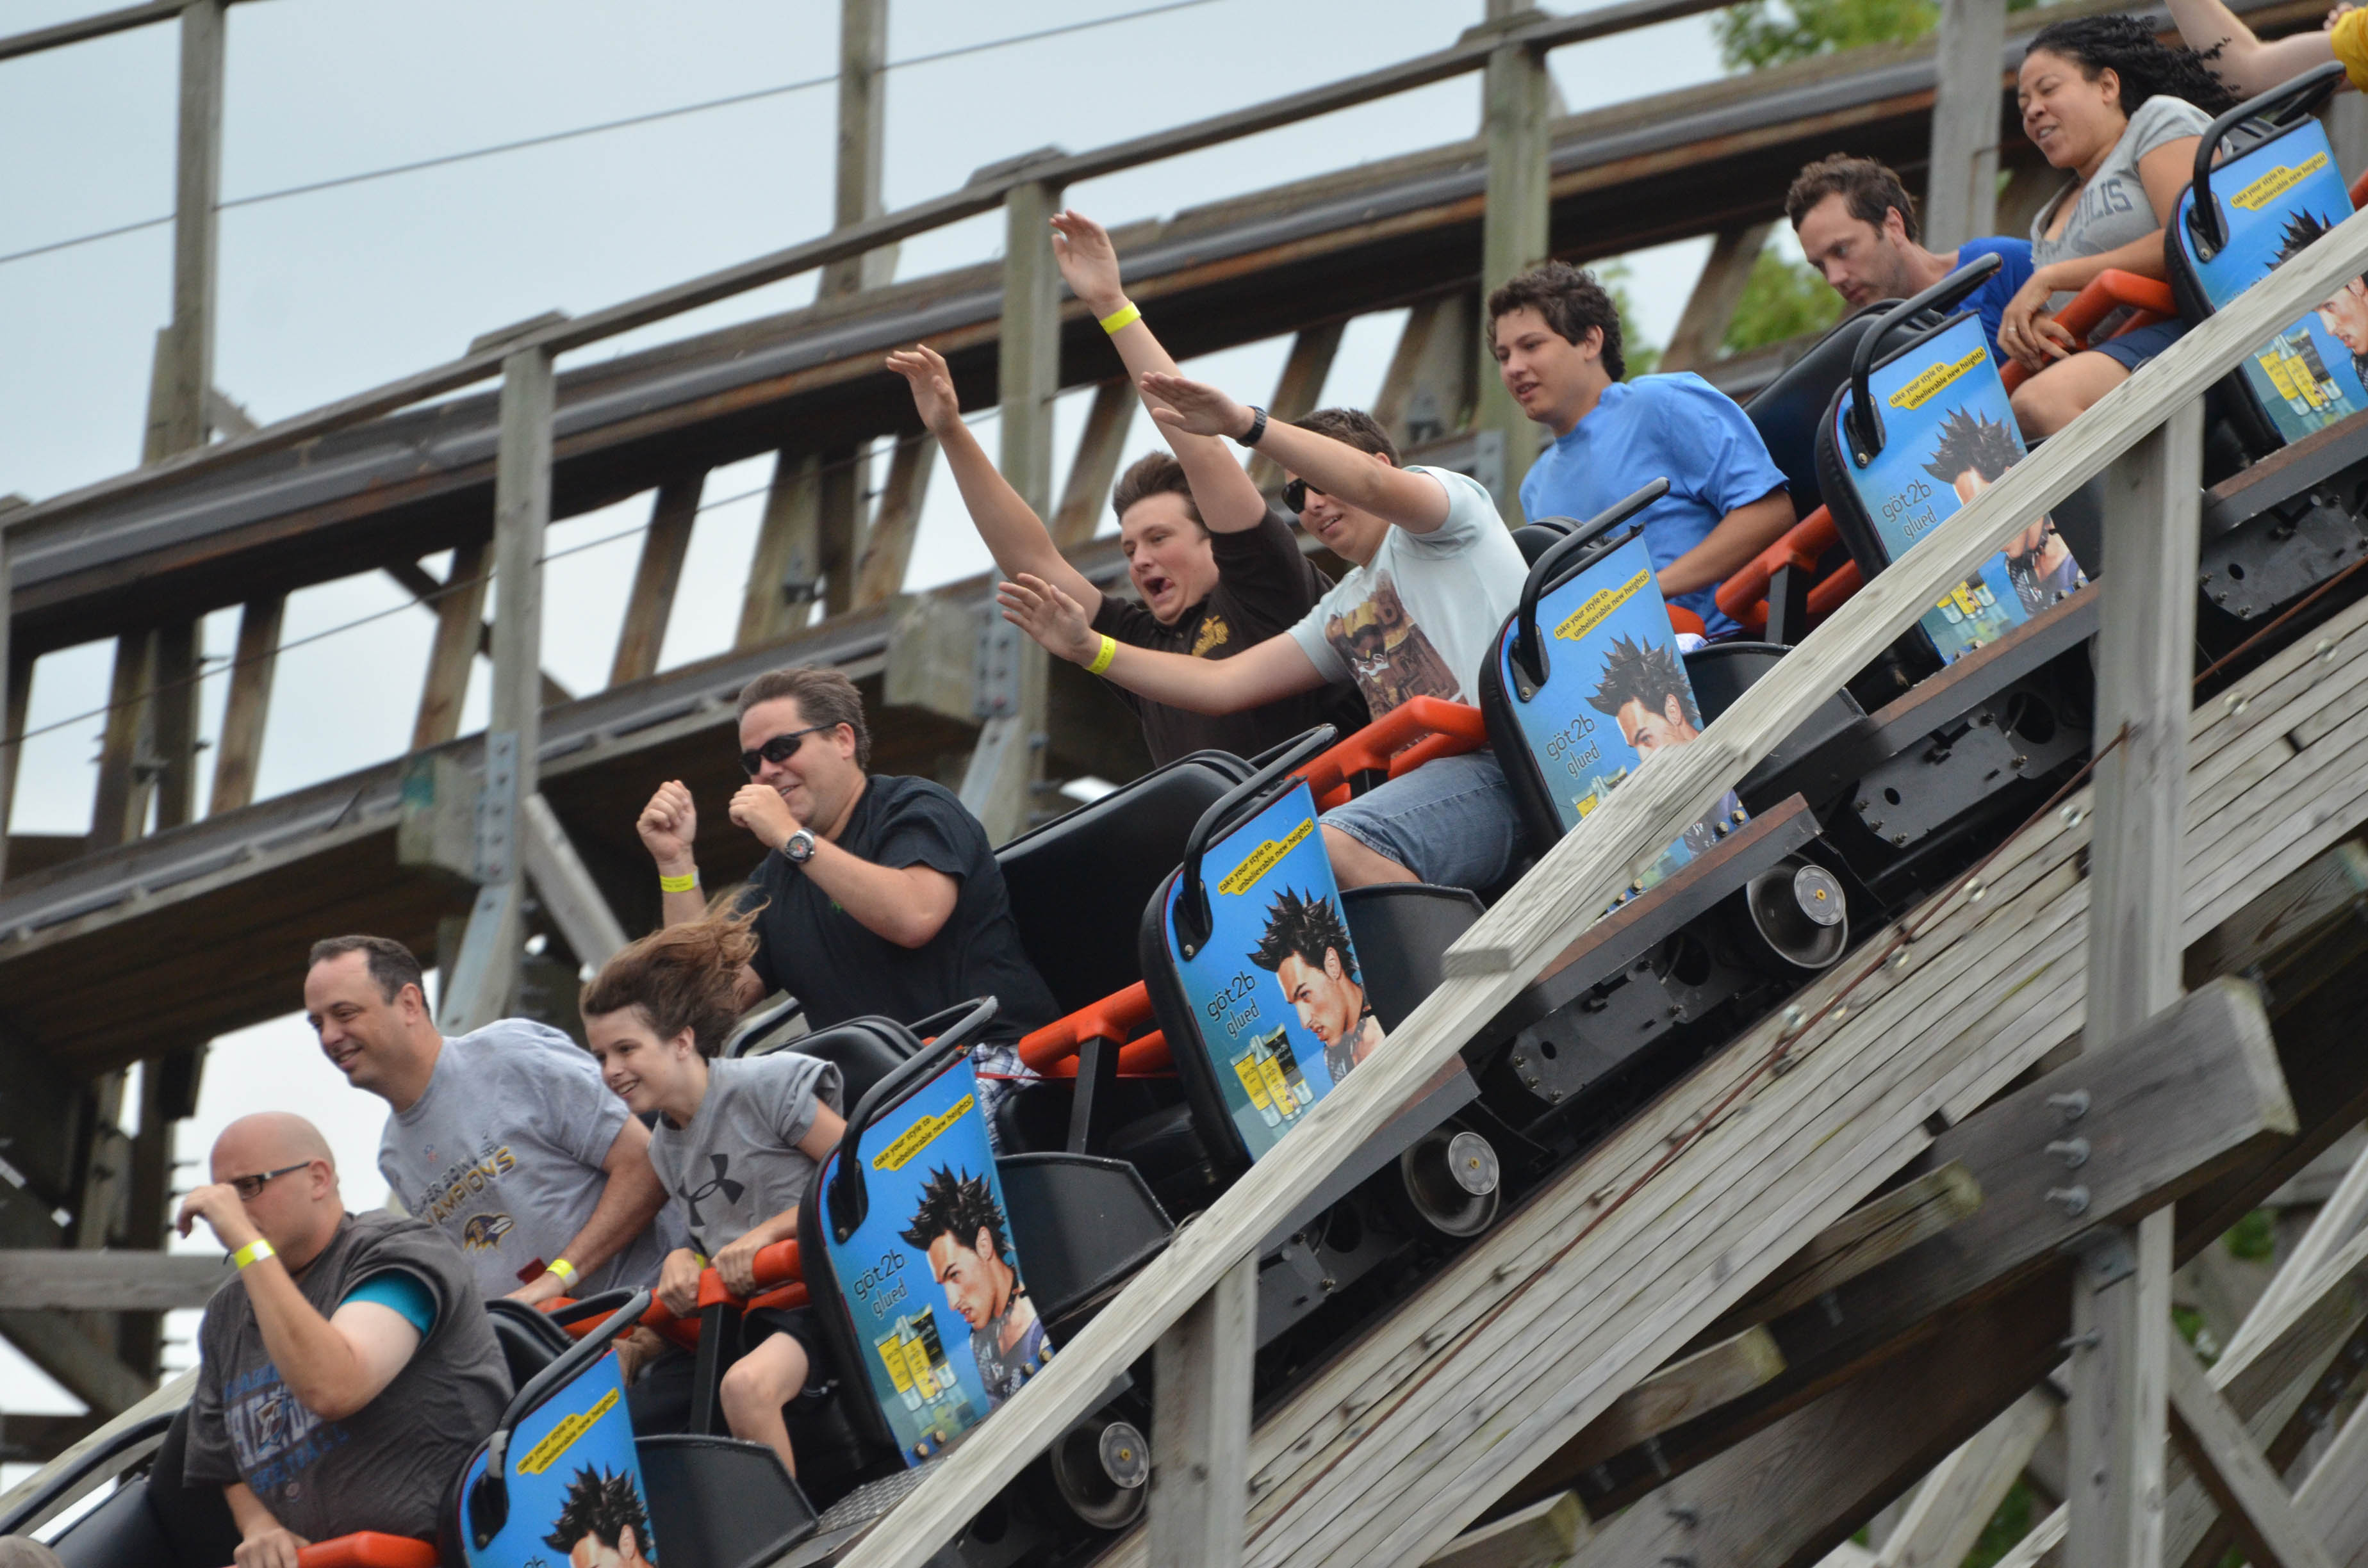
(720, 1183)
(1213, 633)
(484, 1233)
(275, 1437)
(1387, 651)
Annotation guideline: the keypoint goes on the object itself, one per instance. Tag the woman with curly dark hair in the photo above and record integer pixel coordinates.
(2104, 98)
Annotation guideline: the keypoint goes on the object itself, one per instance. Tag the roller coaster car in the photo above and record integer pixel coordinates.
(2287, 447)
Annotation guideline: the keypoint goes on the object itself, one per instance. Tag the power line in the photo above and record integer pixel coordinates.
(653, 116)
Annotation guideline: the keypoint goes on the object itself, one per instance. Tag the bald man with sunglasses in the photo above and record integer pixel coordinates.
(881, 894)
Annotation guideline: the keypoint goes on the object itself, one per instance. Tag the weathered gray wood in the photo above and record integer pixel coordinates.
(61, 1347)
(569, 896)
(421, 584)
(2335, 886)
(172, 758)
(453, 656)
(888, 544)
(862, 114)
(1313, 349)
(1512, 227)
(1701, 325)
(839, 520)
(1961, 193)
(2222, 1454)
(1950, 1508)
(2144, 664)
(650, 604)
(1094, 469)
(2333, 1498)
(238, 755)
(1910, 1213)
(1542, 1534)
(1200, 1426)
(1680, 1392)
(120, 810)
(1432, 382)
(785, 570)
(106, 1281)
(83, 28)
(197, 199)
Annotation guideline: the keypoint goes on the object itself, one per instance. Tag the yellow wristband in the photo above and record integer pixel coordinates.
(688, 882)
(1103, 660)
(561, 1267)
(1118, 320)
(251, 1252)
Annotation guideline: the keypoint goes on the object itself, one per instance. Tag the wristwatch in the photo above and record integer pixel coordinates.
(799, 847)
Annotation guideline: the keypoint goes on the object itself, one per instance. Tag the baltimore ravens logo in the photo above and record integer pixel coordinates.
(484, 1233)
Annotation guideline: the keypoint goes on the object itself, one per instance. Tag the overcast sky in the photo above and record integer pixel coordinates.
(324, 294)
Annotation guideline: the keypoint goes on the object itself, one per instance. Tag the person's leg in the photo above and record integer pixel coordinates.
(759, 1384)
(2065, 390)
(1451, 822)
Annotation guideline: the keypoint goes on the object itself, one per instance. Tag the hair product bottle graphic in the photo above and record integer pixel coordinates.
(1270, 1072)
(1246, 1068)
(890, 1346)
(1288, 1060)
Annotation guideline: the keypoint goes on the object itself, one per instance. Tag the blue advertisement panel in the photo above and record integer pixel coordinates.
(1616, 692)
(1949, 434)
(573, 1483)
(932, 1280)
(2275, 200)
(1276, 991)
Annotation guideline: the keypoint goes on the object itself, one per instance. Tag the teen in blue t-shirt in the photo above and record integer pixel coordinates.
(1556, 337)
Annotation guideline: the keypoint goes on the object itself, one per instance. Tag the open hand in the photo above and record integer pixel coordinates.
(1051, 616)
(668, 824)
(925, 371)
(1195, 407)
(2027, 333)
(1088, 260)
(217, 1204)
(761, 809)
(678, 1282)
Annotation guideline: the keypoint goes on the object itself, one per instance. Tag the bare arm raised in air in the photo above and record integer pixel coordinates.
(1275, 668)
(1229, 502)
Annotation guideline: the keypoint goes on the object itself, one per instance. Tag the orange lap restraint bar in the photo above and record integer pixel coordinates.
(1402, 739)
(2106, 292)
(1743, 595)
(367, 1549)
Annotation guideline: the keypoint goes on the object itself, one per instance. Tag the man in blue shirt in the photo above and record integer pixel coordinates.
(1857, 225)
(1556, 337)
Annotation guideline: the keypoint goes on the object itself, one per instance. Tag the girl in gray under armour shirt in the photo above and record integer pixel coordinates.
(736, 1142)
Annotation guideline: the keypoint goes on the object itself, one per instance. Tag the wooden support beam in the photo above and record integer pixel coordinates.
(1701, 325)
(1950, 1508)
(37, 1439)
(1961, 194)
(229, 417)
(1682, 1391)
(1912, 1212)
(569, 896)
(888, 543)
(238, 756)
(421, 584)
(173, 723)
(1433, 379)
(1513, 233)
(2222, 1454)
(785, 571)
(63, 1349)
(1200, 1426)
(2333, 1498)
(2144, 664)
(1095, 468)
(650, 604)
(72, 1281)
(1313, 349)
(838, 523)
(120, 809)
(197, 202)
(1537, 1537)
(452, 657)
(862, 113)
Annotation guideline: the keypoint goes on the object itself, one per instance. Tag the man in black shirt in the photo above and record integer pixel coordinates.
(1217, 568)
(881, 894)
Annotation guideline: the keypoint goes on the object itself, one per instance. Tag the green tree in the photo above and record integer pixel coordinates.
(1770, 32)
(1782, 301)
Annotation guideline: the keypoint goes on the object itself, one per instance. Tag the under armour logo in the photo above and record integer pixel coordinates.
(729, 1189)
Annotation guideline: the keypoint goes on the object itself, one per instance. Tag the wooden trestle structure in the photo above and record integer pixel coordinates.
(1837, 1257)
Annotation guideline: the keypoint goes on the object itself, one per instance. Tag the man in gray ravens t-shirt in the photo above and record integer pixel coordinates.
(505, 1138)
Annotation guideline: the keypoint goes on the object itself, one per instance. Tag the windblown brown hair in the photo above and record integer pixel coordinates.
(681, 977)
(1154, 473)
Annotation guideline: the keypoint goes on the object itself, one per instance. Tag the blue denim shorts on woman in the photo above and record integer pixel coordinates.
(1451, 821)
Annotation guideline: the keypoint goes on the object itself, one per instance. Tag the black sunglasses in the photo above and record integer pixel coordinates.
(1295, 493)
(780, 749)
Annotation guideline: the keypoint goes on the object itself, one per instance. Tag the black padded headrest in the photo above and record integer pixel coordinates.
(529, 1340)
(1078, 883)
(1536, 538)
(863, 1049)
(1788, 410)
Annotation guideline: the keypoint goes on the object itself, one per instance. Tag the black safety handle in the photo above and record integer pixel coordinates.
(591, 1306)
(489, 1498)
(2282, 105)
(1864, 423)
(1529, 649)
(1244, 800)
(958, 1030)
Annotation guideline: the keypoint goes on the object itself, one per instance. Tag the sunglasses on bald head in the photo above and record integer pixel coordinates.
(1295, 495)
(780, 749)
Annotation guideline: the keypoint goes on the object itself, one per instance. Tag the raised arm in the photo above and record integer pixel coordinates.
(1275, 668)
(1015, 534)
(1415, 502)
(2244, 63)
(1229, 501)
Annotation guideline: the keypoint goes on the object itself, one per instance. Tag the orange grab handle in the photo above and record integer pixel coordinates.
(1683, 620)
(1140, 1058)
(367, 1549)
(2105, 293)
(792, 1294)
(1417, 731)
(774, 1265)
(1115, 1016)
(1744, 596)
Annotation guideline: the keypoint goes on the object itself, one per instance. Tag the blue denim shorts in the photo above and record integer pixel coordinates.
(2132, 349)
(1451, 821)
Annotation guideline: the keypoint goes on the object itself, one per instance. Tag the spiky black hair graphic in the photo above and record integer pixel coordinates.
(957, 1205)
(1646, 672)
(1306, 925)
(1970, 441)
